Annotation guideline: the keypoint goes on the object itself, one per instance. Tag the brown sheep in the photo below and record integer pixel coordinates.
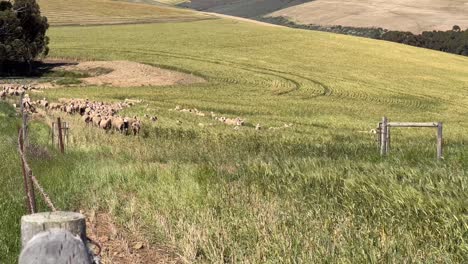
(96, 120)
(118, 124)
(105, 123)
(87, 119)
(136, 126)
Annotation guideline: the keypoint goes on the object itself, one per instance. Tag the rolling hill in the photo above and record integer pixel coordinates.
(309, 187)
(99, 12)
(414, 16)
(241, 8)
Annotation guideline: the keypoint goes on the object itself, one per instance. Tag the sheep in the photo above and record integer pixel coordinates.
(258, 127)
(70, 109)
(44, 103)
(54, 106)
(118, 124)
(96, 120)
(105, 123)
(136, 126)
(221, 119)
(87, 119)
(154, 118)
(234, 122)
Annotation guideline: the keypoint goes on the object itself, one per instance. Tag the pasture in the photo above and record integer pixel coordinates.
(315, 192)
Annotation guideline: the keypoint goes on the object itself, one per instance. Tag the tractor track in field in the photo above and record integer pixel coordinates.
(296, 81)
(287, 77)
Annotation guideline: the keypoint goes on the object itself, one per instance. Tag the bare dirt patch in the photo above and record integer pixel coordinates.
(123, 247)
(128, 74)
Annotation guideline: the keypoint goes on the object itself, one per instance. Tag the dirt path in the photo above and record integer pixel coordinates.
(122, 247)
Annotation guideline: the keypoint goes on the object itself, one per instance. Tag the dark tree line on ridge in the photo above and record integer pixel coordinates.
(22, 36)
(452, 41)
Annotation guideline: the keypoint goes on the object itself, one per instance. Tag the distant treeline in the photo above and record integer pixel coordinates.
(452, 41)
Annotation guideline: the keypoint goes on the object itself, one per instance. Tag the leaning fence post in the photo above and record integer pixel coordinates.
(53, 134)
(383, 134)
(25, 175)
(439, 141)
(32, 192)
(24, 117)
(60, 135)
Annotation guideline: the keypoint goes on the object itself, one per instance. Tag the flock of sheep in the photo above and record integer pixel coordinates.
(236, 122)
(98, 114)
(104, 115)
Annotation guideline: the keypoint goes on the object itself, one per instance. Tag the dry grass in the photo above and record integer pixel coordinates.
(415, 16)
(97, 12)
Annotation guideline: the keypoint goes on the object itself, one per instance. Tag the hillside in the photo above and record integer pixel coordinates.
(95, 12)
(241, 8)
(415, 16)
(308, 187)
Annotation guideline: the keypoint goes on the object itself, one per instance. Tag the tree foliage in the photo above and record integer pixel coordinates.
(22, 34)
(452, 41)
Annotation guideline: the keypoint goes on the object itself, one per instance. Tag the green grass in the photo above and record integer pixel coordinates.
(317, 192)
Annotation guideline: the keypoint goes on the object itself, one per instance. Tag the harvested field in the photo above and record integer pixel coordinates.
(415, 16)
(99, 12)
(129, 74)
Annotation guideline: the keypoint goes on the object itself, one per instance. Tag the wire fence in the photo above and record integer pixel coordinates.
(30, 181)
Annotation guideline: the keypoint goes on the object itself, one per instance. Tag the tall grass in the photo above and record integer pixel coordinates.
(315, 192)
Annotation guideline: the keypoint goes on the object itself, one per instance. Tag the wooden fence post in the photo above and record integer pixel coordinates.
(24, 117)
(25, 176)
(387, 148)
(383, 145)
(53, 134)
(32, 192)
(54, 237)
(439, 141)
(379, 134)
(60, 135)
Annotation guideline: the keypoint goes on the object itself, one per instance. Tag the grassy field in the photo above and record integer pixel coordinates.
(92, 12)
(316, 192)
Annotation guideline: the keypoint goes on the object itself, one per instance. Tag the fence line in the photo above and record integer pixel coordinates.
(32, 179)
